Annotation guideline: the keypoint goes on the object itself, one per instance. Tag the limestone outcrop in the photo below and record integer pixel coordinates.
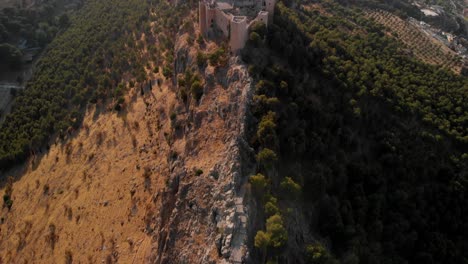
(205, 207)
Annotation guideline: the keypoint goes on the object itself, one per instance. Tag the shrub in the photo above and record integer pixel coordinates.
(278, 234)
(266, 131)
(7, 201)
(216, 57)
(201, 59)
(262, 240)
(290, 188)
(284, 86)
(317, 254)
(266, 157)
(197, 90)
(173, 116)
(255, 38)
(198, 172)
(46, 189)
(271, 208)
(259, 183)
(167, 71)
(183, 94)
(181, 80)
(259, 28)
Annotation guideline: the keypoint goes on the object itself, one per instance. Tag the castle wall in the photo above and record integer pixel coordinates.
(238, 33)
(261, 17)
(270, 8)
(222, 22)
(235, 28)
(202, 17)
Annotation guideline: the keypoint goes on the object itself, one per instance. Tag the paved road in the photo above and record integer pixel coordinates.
(8, 86)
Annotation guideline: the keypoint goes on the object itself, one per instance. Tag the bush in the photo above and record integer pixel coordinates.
(167, 71)
(267, 157)
(266, 132)
(259, 183)
(317, 254)
(259, 28)
(201, 59)
(216, 57)
(271, 208)
(197, 90)
(7, 201)
(198, 172)
(275, 228)
(290, 188)
(262, 240)
(275, 236)
(255, 38)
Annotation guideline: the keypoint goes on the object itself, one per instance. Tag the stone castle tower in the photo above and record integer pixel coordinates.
(234, 18)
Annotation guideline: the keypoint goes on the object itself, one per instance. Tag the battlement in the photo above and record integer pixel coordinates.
(234, 18)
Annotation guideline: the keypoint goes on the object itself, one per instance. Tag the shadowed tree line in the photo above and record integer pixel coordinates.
(371, 143)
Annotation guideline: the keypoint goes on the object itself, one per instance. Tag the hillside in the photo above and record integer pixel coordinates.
(424, 47)
(328, 138)
(105, 191)
(160, 179)
(349, 168)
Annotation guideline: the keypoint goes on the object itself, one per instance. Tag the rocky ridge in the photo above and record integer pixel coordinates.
(205, 218)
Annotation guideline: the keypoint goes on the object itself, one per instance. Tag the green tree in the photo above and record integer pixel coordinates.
(262, 241)
(290, 188)
(317, 254)
(259, 183)
(277, 232)
(64, 21)
(267, 157)
(271, 207)
(255, 38)
(266, 132)
(10, 55)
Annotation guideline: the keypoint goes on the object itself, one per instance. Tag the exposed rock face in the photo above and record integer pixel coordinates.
(204, 216)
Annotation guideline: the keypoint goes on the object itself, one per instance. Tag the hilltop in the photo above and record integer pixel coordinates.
(327, 135)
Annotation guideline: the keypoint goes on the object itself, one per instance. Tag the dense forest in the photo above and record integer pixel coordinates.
(31, 27)
(369, 145)
(97, 58)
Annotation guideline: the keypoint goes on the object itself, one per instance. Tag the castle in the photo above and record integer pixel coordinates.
(234, 18)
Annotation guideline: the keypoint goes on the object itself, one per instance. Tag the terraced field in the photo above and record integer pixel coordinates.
(423, 47)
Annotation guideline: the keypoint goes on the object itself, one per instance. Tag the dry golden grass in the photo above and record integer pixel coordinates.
(76, 201)
(96, 197)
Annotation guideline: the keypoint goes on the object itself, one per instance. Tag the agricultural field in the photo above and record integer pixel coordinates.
(422, 46)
